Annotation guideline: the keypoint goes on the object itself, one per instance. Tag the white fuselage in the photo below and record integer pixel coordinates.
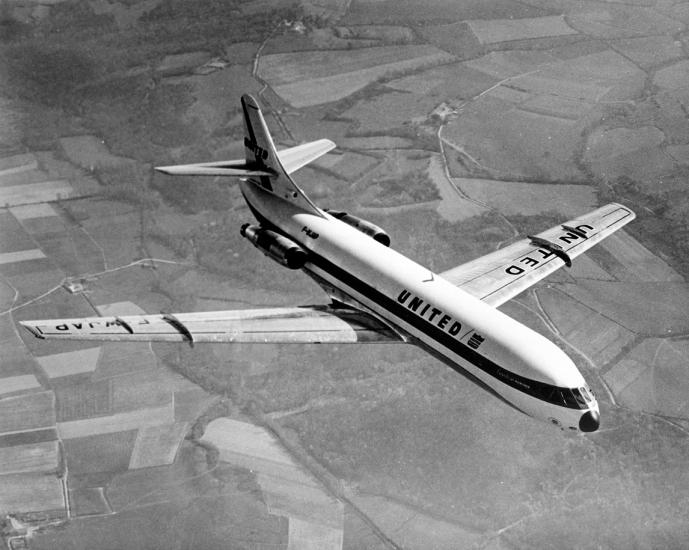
(519, 365)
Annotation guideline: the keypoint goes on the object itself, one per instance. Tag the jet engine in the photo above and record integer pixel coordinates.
(366, 227)
(281, 249)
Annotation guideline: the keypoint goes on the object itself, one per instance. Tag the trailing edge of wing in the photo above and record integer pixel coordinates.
(499, 276)
(292, 159)
(317, 324)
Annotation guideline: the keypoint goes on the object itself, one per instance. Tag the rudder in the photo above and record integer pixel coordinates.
(260, 153)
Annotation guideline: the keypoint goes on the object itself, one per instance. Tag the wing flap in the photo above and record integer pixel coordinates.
(497, 277)
(277, 325)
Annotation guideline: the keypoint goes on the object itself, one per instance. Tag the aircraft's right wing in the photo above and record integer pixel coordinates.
(312, 324)
(499, 276)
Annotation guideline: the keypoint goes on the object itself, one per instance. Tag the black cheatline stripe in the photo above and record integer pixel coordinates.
(534, 388)
(437, 334)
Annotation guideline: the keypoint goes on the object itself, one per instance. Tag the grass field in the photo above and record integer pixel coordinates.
(178, 506)
(673, 77)
(80, 398)
(70, 363)
(30, 493)
(649, 51)
(624, 21)
(26, 412)
(638, 262)
(36, 457)
(664, 304)
(216, 96)
(516, 198)
(115, 423)
(118, 359)
(504, 30)
(151, 388)
(543, 153)
(312, 78)
(390, 110)
(14, 384)
(28, 438)
(16, 359)
(101, 452)
(585, 328)
(14, 238)
(87, 501)
(417, 11)
(637, 153)
(652, 377)
(157, 445)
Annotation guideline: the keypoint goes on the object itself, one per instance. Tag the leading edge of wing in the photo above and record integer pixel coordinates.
(308, 324)
(499, 276)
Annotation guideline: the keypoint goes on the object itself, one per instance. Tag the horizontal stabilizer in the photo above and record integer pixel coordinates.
(292, 159)
(234, 168)
(300, 155)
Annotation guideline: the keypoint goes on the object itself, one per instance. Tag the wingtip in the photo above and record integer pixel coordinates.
(32, 328)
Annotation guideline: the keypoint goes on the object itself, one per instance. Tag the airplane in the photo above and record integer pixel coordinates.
(379, 295)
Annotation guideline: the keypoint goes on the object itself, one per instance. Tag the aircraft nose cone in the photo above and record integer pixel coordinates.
(589, 421)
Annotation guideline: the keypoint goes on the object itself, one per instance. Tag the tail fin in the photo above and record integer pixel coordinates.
(260, 153)
(263, 164)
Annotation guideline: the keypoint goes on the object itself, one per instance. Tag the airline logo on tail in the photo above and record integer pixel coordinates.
(260, 154)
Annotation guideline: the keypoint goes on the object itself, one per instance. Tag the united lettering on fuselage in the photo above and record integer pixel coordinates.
(543, 253)
(431, 314)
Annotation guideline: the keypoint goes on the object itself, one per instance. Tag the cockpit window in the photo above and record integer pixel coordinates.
(578, 395)
(572, 398)
(586, 394)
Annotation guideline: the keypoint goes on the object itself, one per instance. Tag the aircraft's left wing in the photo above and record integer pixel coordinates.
(497, 277)
(314, 324)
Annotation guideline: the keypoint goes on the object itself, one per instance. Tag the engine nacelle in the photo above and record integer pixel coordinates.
(366, 227)
(281, 249)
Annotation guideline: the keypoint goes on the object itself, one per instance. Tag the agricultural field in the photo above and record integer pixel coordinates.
(461, 126)
(529, 199)
(307, 79)
(506, 30)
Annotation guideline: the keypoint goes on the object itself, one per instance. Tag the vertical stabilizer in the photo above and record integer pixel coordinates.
(261, 154)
